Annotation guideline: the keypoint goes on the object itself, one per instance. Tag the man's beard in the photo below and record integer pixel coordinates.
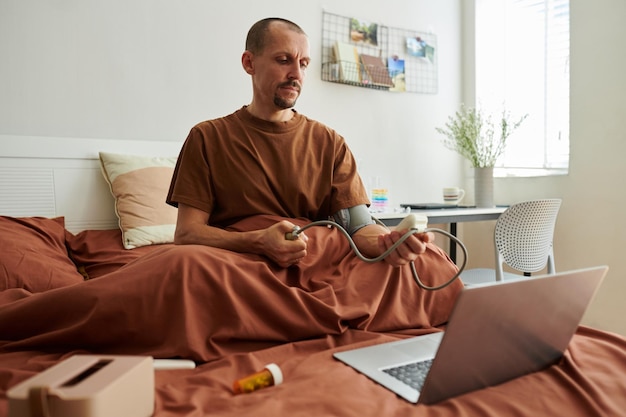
(283, 103)
(287, 103)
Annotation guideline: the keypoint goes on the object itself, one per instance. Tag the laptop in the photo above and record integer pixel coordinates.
(496, 332)
(430, 206)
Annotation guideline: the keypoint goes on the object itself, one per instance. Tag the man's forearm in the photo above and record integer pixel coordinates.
(366, 239)
(219, 238)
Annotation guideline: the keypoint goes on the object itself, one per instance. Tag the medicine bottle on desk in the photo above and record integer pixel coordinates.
(379, 195)
(270, 375)
(380, 200)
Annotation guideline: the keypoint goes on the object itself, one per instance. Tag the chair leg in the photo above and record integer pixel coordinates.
(551, 267)
(499, 262)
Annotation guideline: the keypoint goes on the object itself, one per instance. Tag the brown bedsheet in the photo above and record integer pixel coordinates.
(234, 313)
(590, 381)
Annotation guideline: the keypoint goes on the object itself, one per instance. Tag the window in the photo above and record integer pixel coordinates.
(522, 65)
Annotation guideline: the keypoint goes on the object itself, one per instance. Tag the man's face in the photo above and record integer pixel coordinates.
(279, 70)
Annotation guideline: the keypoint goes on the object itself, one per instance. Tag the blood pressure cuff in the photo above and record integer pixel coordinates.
(354, 218)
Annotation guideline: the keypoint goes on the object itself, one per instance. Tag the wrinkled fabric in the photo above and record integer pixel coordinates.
(234, 313)
(202, 303)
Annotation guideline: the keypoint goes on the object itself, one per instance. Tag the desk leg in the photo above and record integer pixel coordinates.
(452, 244)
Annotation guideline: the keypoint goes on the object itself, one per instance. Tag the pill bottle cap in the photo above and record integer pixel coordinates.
(277, 374)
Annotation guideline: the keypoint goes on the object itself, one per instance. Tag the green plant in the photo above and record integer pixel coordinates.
(473, 135)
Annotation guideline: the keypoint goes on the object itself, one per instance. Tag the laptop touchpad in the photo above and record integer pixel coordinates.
(420, 348)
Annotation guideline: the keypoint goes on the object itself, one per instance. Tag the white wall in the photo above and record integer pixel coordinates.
(591, 228)
(150, 69)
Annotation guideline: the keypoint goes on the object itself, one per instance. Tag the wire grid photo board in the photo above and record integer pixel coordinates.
(410, 56)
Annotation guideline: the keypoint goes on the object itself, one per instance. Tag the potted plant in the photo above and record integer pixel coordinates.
(476, 137)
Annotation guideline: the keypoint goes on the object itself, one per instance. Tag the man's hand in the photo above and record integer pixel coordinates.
(374, 239)
(408, 251)
(281, 250)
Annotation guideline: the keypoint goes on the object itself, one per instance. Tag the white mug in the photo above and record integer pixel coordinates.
(453, 195)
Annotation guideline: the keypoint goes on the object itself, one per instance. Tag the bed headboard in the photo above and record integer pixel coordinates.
(48, 176)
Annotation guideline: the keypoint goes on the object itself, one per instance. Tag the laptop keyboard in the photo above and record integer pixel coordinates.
(412, 374)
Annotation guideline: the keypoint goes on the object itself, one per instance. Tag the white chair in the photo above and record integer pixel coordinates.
(523, 238)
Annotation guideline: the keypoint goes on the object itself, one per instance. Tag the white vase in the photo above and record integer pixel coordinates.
(483, 187)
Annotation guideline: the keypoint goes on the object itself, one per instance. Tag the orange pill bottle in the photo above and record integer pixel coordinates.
(270, 375)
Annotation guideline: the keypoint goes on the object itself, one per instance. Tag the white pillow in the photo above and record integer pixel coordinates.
(139, 185)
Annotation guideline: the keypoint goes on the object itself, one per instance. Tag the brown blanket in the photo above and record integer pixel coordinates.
(234, 313)
(202, 303)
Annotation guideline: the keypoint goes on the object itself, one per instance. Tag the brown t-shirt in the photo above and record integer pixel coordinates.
(238, 166)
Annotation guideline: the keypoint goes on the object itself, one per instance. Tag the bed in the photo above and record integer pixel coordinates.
(86, 271)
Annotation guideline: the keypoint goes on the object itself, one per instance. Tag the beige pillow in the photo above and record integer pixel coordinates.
(139, 185)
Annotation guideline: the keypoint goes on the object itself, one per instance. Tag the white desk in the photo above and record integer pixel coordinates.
(450, 216)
